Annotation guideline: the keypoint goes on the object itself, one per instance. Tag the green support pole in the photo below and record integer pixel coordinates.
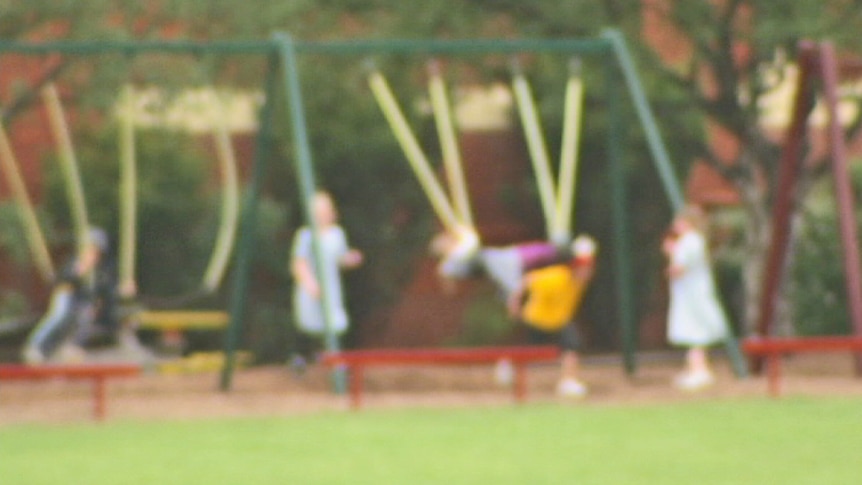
(645, 115)
(662, 160)
(622, 250)
(248, 225)
(305, 174)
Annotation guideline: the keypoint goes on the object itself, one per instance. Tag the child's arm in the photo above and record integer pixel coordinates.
(300, 265)
(516, 298)
(304, 276)
(351, 259)
(585, 272)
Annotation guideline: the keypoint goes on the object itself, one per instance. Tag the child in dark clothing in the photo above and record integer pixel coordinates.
(83, 305)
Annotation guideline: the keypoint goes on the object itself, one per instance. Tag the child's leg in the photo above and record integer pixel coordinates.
(54, 327)
(697, 360)
(697, 374)
(569, 364)
(570, 383)
(569, 342)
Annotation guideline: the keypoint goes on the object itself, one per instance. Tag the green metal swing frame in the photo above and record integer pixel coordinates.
(283, 71)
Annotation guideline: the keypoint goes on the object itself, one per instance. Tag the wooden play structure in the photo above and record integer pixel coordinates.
(817, 69)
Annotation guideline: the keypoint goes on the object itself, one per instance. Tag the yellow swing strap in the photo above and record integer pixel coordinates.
(449, 144)
(536, 145)
(128, 189)
(68, 165)
(230, 200)
(417, 159)
(567, 181)
(32, 231)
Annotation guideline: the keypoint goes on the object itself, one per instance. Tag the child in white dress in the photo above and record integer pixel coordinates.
(695, 319)
(307, 297)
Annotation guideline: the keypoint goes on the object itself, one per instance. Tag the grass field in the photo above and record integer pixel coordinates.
(791, 441)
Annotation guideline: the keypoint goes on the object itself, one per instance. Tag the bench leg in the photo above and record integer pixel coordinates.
(773, 373)
(520, 385)
(99, 398)
(356, 378)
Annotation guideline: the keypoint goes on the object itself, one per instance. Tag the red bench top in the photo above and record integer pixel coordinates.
(442, 355)
(78, 371)
(764, 345)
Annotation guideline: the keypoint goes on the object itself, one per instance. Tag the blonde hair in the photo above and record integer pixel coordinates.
(322, 203)
(694, 215)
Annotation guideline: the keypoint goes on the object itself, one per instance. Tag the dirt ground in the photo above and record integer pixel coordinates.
(276, 391)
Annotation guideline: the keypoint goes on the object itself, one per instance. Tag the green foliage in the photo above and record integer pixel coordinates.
(818, 287)
(13, 243)
(486, 322)
(726, 232)
(13, 304)
(177, 218)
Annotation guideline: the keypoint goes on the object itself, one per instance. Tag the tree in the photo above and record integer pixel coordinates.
(738, 51)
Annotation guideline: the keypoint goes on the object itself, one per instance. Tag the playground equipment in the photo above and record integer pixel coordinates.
(35, 238)
(229, 211)
(556, 197)
(283, 52)
(816, 62)
(222, 248)
(171, 322)
(98, 374)
(557, 203)
(359, 360)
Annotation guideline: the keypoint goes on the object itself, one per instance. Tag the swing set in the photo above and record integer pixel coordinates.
(454, 211)
(229, 213)
(818, 69)
(283, 72)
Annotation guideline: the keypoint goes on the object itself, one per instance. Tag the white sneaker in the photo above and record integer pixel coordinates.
(571, 388)
(32, 355)
(693, 381)
(504, 372)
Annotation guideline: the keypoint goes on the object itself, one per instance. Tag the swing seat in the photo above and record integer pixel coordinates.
(177, 320)
(172, 324)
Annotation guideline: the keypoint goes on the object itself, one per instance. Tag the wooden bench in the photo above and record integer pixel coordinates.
(97, 373)
(773, 349)
(356, 361)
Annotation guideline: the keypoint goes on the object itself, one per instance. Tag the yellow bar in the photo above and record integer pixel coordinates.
(182, 320)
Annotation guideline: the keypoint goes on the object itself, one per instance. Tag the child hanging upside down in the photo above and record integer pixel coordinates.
(542, 284)
(461, 257)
